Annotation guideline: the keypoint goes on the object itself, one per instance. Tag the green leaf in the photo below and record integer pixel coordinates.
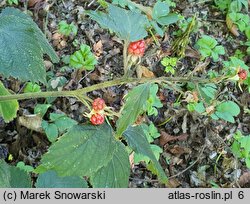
(116, 173)
(155, 149)
(50, 179)
(229, 107)
(128, 25)
(22, 47)
(13, 177)
(227, 110)
(82, 151)
(31, 87)
(83, 58)
(50, 130)
(245, 143)
(208, 91)
(62, 122)
(157, 28)
(138, 142)
(8, 109)
(167, 20)
(200, 108)
(41, 109)
(160, 9)
(135, 101)
(225, 116)
(21, 165)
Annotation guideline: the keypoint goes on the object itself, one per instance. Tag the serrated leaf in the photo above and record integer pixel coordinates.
(13, 177)
(8, 109)
(135, 101)
(116, 173)
(62, 122)
(80, 152)
(83, 58)
(50, 179)
(160, 9)
(22, 47)
(138, 142)
(128, 25)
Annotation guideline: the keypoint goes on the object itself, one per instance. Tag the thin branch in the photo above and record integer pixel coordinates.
(106, 84)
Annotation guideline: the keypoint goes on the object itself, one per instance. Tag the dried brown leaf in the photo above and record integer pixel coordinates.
(32, 122)
(32, 3)
(144, 72)
(244, 179)
(98, 48)
(178, 150)
(165, 138)
(232, 27)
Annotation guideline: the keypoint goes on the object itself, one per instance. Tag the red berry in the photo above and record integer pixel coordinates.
(242, 74)
(98, 104)
(97, 119)
(137, 48)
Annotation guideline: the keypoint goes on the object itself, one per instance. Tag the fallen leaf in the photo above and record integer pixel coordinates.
(165, 138)
(131, 160)
(178, 150)
(173, 183)
(98, 48)
(32, 3)
(32, 122)
(244, 179)
(143, 71)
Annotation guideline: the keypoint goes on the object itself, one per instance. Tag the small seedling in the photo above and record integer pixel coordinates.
(67, 29)
(169, 63)
(208, 48)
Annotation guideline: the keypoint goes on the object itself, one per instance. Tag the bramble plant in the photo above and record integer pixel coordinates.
(11, 2)
(67, 29)
(169, 64)
(241, 148)
(208, 48)
(94, 151)
(83, 58)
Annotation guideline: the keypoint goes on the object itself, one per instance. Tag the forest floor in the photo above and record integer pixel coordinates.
(196, 150)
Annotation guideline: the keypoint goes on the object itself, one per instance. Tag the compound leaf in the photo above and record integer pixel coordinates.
(22, 47)
(136, 139)
(116, 173)
(128, 25)
(135, 101)
(80, 152)
(8, 109)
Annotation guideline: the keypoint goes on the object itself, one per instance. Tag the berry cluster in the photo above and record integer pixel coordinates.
(242, 74)
(97, 113)
(137, 48)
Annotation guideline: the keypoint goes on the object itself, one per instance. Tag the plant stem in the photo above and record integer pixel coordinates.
(83, 91)
(125, 57)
